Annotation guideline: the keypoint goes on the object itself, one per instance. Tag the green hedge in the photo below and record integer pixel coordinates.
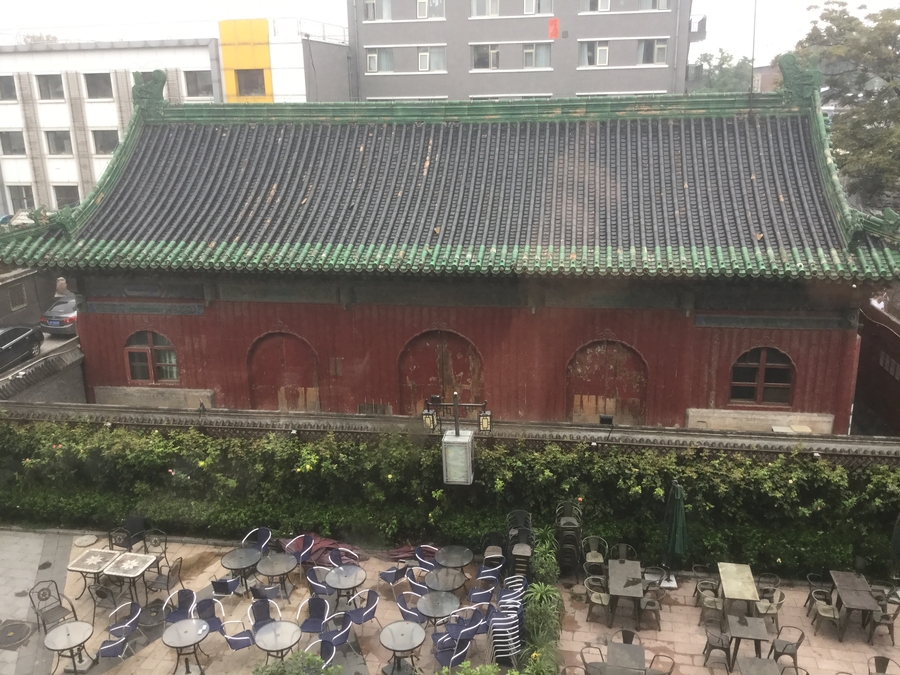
(789, 516)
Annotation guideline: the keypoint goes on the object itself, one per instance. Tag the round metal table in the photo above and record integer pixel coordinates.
(185, 637)
(241, 561)
(278, 638)
(67, 640)
(402, 638)
(277, 566)
(345, 580)
(444, 579)
(437, 605)
(453, 556)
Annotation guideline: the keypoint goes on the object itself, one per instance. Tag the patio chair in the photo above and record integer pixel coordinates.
(414, 584)
(652, 577)
(260, 613)
(518, 519)
(622, 552)
(103, 596)
(225, 588)
(166, 580)
(591, 655)
(594, 549)
(258, 538)
(767, 580)
(652, 602)
(513, 590)
(825, 611)
(771, 604)
(212, 612)
(326, 651)
(625, 636)
(881, 665)
(593, 569)
(462, 624)
(179, 605)
(505, 636)
(492, 567)
(240, 639)
(705, 585)
(361, 615)
(815, 583)
(711, 604)
(703, 575)
(493, 545)
(661, 665)
(794, 670)
(483, 592)
(341, 635)
(407, 611)
(129, 535)
(113, 647)
(51, 606)
(392, 577)
(155, 544)
(336, 556)
(786, 643)
(881, 590)
(317, 614)
(717, 641)
(301, 548)
(315, 579)
(568, 515)
(597, 594)
(425, 555)
(124, 620)
(448, 658)
(260, 591)
(885, 617)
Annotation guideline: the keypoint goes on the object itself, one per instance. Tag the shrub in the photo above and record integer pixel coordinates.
(544, 565)
(300, 663)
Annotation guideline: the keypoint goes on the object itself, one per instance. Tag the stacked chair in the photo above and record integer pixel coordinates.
(521, 541)
(568, 534)
(505, 634)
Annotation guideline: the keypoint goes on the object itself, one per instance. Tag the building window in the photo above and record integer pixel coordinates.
(251, 82)
(98, 85)
(654, 4)
(594, 5)
(538, 6)
(198, 83)
(429, 9)
(890, 365)
(12, 143)
(50, 87)
(59, 143)
(8, 88)
(537, 55)
(652, 51)
(66, 195)
(593, 53)
(151, 358)
(485, 7)
(379, 60)
(21, 197)
(432, 58)
(17, 299)
(105, 141)
(378, 10)
(762, 375)
(485, 57)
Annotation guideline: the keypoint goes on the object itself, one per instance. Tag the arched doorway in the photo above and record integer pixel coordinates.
(606, 378)
(283, 374)
(439, 362)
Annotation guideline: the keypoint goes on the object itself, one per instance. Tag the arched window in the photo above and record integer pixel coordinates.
(762, 375)
(151, 358)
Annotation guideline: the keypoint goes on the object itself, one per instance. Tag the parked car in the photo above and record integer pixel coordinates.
(18, 343)
(60, 318)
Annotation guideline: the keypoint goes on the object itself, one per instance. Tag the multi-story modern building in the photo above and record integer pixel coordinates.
(507, 49)
(64, 106)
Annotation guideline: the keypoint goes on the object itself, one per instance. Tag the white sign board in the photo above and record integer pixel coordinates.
(457, 452)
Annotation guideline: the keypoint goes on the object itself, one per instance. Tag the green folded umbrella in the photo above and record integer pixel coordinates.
(676, 525)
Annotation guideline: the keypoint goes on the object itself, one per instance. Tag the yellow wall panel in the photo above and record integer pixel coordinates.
(245, 46)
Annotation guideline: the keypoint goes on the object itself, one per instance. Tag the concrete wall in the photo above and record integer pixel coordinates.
(154, 398)
(752, 420)
(66, 386)
(327, 70)
(623, 26)
(38, 288)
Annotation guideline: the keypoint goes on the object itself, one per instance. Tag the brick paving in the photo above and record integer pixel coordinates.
(679, 636)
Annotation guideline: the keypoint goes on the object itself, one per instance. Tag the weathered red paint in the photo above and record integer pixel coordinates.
(877, 386)
(524, 353)
(606, 378)
(439, 362)
(283, 374)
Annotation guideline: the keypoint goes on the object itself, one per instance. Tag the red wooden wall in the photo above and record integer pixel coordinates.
(879, 365)
(524, 353)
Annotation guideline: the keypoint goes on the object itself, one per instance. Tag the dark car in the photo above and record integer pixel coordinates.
(18, 343)
(60, 318)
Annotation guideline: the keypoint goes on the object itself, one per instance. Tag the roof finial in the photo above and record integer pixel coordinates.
(148, 96)
(799, 84)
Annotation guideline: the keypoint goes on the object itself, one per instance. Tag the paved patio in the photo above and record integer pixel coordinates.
(24, 556)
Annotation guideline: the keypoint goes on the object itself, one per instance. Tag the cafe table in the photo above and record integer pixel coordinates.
(747, 628)
(91, 563)
(130, 567)
(750, 666)
(737, 584)
(628, 656)
(444, 579)
(624, 582)
(278, 638)
(241, 561)
(853, 593)
(185, 637)
(456, 557)
(402, 638)
(345, 580)
(276, 567)
(67, 640)
(437, 605)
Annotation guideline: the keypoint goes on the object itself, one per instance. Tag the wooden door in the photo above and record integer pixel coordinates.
(440, 362)
(606, 378)
(283, 374)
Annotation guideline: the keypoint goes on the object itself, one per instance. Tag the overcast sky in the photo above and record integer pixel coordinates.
(780, 23)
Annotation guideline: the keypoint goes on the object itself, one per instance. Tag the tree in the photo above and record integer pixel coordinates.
(723, 74)
(860, 61)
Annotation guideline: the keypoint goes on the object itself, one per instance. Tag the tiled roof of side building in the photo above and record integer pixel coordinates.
(721, 193)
